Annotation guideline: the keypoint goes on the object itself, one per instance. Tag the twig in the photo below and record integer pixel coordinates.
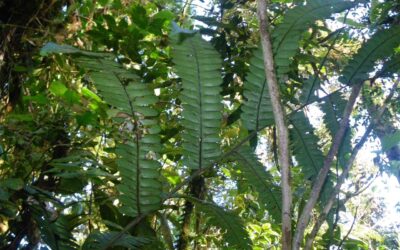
(343, 176)
(281, 128)
(323, 173)
(350, 229)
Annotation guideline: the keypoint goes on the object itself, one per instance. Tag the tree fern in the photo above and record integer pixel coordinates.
(296, 21)
(198, 65)
(255, 173)
(304, 145)
(234, 232)
(140, 187)
(379, 46)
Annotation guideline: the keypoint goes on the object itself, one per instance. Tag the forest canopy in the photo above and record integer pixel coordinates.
(194, 124)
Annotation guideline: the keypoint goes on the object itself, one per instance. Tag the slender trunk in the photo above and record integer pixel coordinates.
(323, 173)
(347, 169)
(281, 128)
(332, 198)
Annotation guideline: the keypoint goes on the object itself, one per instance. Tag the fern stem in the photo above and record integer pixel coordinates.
(323, 173)
(282, 130)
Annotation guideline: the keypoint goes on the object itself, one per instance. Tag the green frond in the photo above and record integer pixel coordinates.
(379, 46)
(333, 107)
(304, 145)
(296, 21)
(140, 187)
(257, 176)
(305, 148)
(257, 109)
(234, 232)
(390, 66)
(198, 65)
(53, 48)
(98, 240)
(309, 90)
(57, 234)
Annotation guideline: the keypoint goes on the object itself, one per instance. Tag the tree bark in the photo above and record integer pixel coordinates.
(282, 129)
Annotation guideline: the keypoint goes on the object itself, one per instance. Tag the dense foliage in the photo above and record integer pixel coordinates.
(149, 125)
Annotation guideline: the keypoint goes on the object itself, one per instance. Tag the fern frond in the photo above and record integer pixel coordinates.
(140, 187)
(268, 192)
(296, 21)
(198, 65)
(257, 109)
(309, 90)
(304, 145)
(390, 66)
(97, 240)
(333, 107)
(379, 46)
(234, 232)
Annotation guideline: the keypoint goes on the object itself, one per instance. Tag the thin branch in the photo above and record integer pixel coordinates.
(323, 173)
(281, 128)
(347, 168)
(332, 198)
(350, 229)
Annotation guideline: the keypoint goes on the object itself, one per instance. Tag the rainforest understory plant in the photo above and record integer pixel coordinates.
(128, 125)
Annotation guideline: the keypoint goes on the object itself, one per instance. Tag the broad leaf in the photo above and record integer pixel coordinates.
(379, 46)
(98, 240)
(257, 176)
(198, 65)
(234, 232)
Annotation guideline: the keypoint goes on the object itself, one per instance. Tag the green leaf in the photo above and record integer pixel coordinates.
(58, 88)
(296, 21)
(140, 187)
(309, 90)
(39, 99)
(257, 176)
(304, 145)
(3, 195)
(98, 240)
(53, 48)
(257, 109)
(379, 46)
(234, 232)
(198, 65)
(12, 183)
(390, 141)
(333, 107)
